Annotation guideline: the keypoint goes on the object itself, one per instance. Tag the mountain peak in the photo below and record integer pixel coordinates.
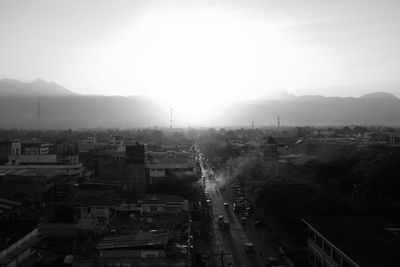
(9, 87)
(379, 95)
(278, 95)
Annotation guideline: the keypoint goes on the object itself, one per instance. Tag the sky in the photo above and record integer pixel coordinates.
(191, 52)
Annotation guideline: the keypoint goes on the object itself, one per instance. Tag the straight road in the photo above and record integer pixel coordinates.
(230, 243)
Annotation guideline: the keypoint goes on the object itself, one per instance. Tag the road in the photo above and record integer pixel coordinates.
(229, 243)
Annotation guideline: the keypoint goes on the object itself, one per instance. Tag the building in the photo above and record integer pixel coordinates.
(33, 183)
(35, 154)
(146, 248)
(352, 242)
(95, 204)
(9, 209)
(18, 239)
(128, 167)
(170, 163)
(163, 203)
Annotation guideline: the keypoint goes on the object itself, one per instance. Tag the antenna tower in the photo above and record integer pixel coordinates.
(279, 124)
(170, 121)
(38, 116)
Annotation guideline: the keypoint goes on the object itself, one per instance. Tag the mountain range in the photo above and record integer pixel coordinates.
(61, 108)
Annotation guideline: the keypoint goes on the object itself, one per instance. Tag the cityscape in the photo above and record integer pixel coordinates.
(199, 133)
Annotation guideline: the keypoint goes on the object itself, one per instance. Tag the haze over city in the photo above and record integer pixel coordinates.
(229, 49)
(199, 133)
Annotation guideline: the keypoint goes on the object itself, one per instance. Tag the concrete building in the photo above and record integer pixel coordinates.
(163, 203)
(35, 154)
(146, 248)
(128, 167)
(9, 209)
(33, 183)
(352, 242)
(17, 242)
(170, 163)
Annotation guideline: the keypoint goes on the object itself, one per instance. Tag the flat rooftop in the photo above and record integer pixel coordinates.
(366, 240)
(29, 172)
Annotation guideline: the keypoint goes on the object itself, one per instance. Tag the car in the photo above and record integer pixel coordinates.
(221, 218)
(245, 214)
(243, 220)
(226, 205)
(249, 248)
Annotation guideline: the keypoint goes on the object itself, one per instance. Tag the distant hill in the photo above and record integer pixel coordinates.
(375, 108)
(9, 87)
(62, 108)
(379, 95)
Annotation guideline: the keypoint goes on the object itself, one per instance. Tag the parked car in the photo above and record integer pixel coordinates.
(226, 205)
(221, 218)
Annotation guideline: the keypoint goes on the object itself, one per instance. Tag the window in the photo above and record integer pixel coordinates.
(347, 263)
(336, 256)
(311, 256)
(311, 235)
(318, 241)
(327, 249)
(318, 261)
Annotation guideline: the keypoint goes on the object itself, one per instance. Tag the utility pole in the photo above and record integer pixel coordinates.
(279, 124)
(170, 119)
(38, 116)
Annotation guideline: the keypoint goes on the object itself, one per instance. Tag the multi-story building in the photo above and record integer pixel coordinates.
(163, 203)
(128, 167)
(34, 183)
(171, 163)
(35, 154)
(18, 239)
(352, 242)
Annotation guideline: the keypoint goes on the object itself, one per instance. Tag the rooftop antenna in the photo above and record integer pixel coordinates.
(279, 124)
(170, 120)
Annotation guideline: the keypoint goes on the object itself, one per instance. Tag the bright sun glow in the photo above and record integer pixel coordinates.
(197, 60)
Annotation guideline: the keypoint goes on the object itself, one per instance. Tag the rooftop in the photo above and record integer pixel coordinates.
(160, 199)
(140, 240)
(364, 239)
(29, 172)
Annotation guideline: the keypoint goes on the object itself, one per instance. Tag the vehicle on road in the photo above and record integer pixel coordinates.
(249, 248)
(225, 225)
(243, 220)
(221, 218)
(226, 205)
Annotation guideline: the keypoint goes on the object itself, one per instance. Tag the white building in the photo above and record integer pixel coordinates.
(162, 164)
(163, 203)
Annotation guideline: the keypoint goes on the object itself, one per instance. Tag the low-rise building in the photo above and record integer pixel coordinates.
(352, 242)
(33, 183)
(17, 242)
(36, 154)
(164, 164)
(163, 203)
(146, 248)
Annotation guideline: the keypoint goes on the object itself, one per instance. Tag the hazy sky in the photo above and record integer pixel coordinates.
(185, 50)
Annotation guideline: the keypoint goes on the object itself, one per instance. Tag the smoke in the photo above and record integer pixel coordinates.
(240, 167)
